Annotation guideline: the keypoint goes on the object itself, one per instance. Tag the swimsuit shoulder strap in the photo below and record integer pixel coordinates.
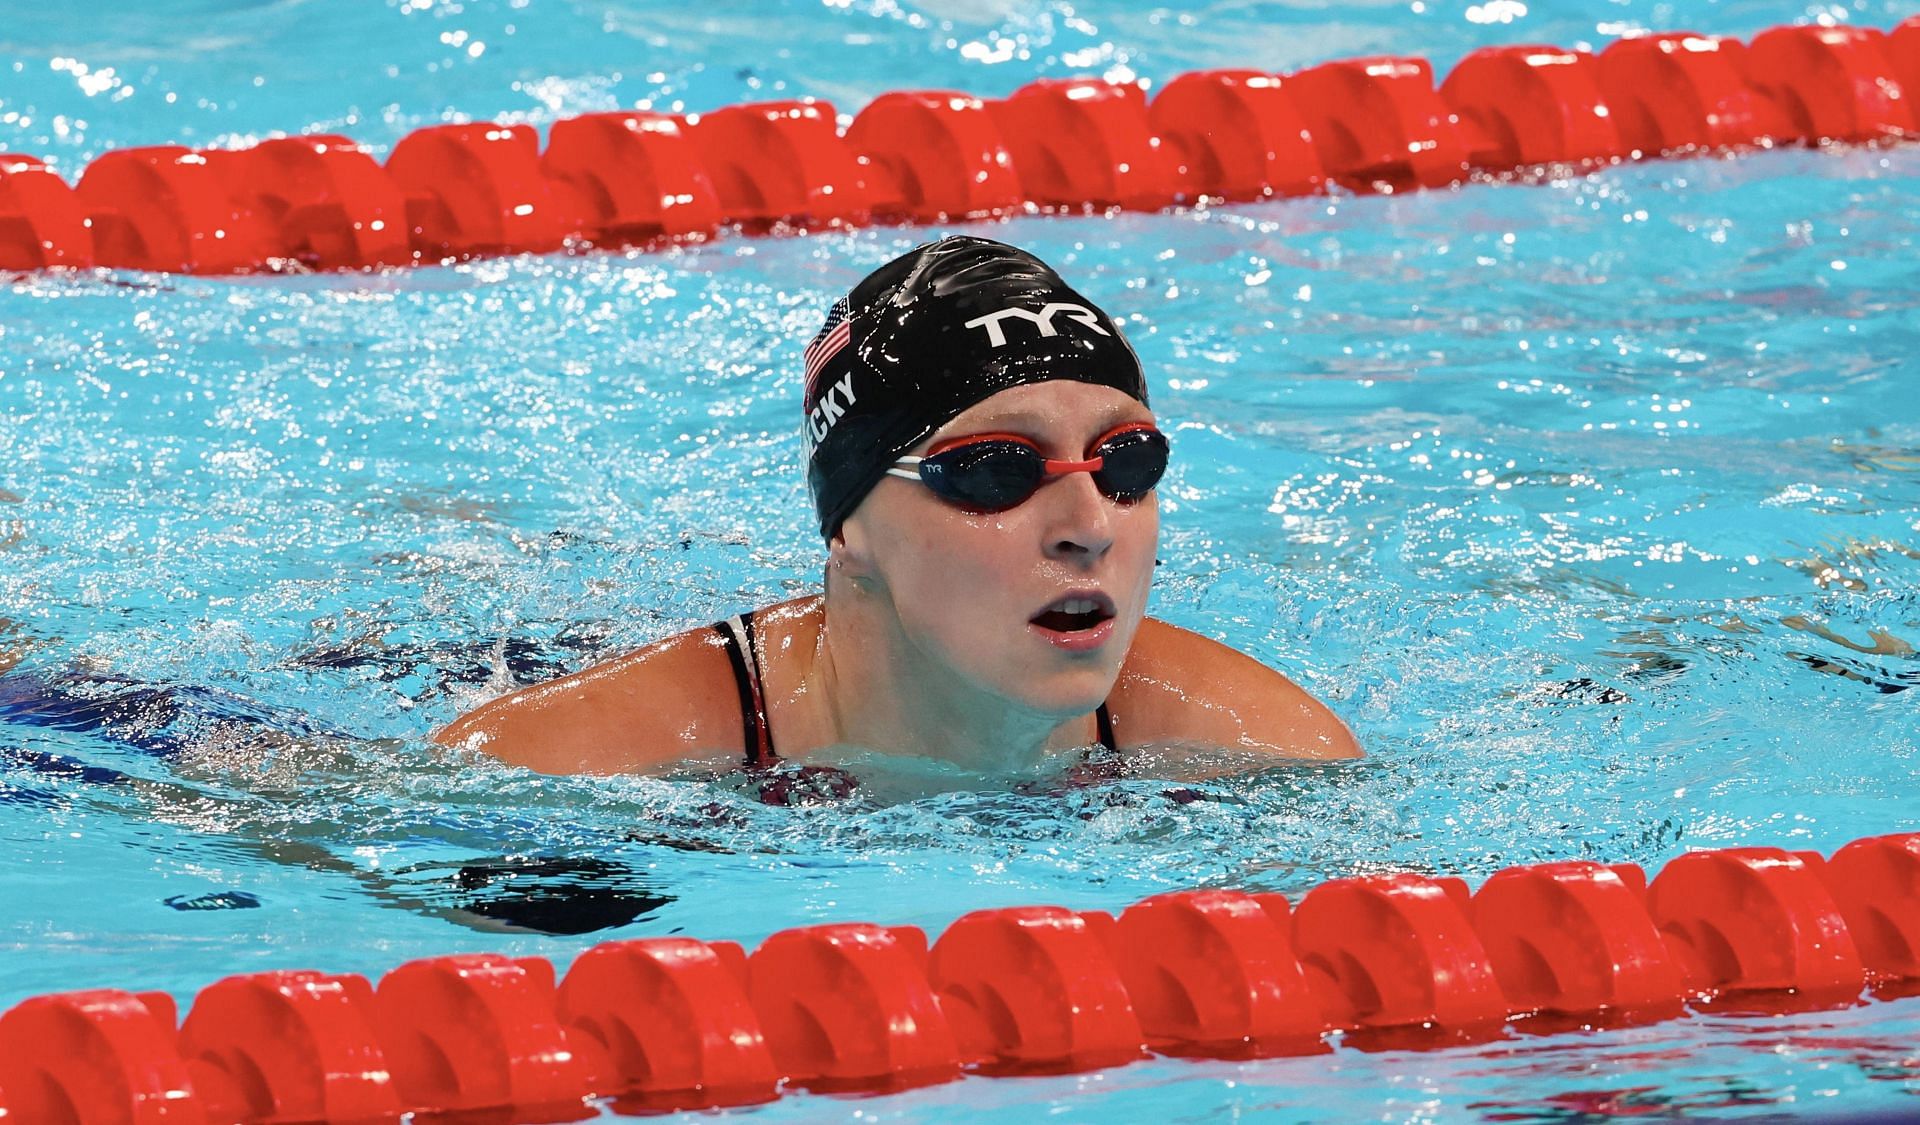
(1104, 720)
(736, 636)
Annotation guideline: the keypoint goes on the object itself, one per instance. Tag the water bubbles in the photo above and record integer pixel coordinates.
(1496, 12)
(1589, 505)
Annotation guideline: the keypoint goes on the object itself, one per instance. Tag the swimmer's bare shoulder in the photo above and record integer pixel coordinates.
(661, 704)
(1177, 686)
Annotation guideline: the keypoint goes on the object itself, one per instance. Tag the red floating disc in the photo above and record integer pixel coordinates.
(1080, 142)
(1236, 134)
(943, 153)
(782, 162)
(1213, 973)
(103, 1057)
(332, 203)
(1679, 91)
(1876, 884)
(478, 189)
(1575, 938)
(1534, 105)
(849, 1007)
(165, 209)
(1035, 989)
(639, 175)
(1903, 50)
(1835, 83)
(299, 1046)
(1396, 952)
(1379, 125)
(480, 1031)
(1755, 920)
(673, 1016)
(42, 223)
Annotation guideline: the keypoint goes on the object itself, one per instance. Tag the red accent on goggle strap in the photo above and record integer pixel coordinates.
(1062, 468)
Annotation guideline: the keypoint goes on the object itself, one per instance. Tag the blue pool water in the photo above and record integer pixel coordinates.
(1593, 507)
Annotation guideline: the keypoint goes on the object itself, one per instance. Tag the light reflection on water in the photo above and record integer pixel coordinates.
(1590, 505)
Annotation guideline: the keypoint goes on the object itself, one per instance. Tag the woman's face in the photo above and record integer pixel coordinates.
(1038, 603)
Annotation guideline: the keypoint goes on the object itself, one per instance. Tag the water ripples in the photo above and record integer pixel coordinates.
(1589, 504)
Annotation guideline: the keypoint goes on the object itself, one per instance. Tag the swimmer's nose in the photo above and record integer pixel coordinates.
(1082, 527)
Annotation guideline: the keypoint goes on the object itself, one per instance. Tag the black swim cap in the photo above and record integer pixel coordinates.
(926, 336)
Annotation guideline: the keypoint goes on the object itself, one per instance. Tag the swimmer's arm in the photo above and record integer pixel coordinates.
(665, 703)
(1180, 687)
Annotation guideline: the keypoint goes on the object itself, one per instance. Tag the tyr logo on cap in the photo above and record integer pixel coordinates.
(997, 336)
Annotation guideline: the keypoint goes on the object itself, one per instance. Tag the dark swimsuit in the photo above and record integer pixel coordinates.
(736, 636)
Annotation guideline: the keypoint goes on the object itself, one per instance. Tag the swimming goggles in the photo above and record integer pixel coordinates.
(995, 472)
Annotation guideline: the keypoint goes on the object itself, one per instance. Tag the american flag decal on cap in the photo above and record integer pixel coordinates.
(833, 335)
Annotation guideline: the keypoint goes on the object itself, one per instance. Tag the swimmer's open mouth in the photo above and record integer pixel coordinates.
(1075, 613)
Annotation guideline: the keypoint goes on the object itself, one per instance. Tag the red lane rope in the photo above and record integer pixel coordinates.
(1379, 961)
(1388, 960)
(631, 178)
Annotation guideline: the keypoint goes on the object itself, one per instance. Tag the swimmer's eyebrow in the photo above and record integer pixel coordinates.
(1028, 421)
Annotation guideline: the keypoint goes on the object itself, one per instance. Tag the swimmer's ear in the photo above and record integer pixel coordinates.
(848, 552)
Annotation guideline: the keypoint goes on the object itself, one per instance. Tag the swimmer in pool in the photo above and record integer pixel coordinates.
(983, 463)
